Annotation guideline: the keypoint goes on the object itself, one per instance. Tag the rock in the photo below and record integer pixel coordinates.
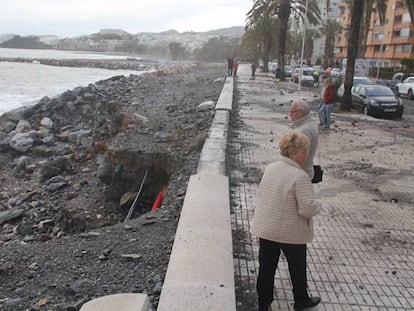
(22, 126)
(127, 199)
(47, 123)
(22, 142)
(208, 105)
(8, 215)
(22, 163)
(9, 126)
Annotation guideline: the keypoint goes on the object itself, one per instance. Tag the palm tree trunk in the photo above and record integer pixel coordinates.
(353, 42)
(284, 13)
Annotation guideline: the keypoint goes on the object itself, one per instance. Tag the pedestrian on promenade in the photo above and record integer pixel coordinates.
(230, 66)
(253, 67)
(300, 115)
(235, 67)
(283, 221)
(327, 105)
(278, 75)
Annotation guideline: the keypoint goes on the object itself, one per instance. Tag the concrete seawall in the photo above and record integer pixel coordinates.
(200, 273)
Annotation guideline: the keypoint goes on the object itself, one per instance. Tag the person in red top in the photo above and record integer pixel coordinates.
(235, 66)
(327, 106)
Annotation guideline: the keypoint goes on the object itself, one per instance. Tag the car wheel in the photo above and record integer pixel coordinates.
(365, 110)
(397, 92)
(410, 94)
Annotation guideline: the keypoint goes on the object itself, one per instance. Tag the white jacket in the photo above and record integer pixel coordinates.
(286, 204)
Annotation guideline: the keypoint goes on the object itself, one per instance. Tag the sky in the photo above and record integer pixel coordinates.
(70, 18)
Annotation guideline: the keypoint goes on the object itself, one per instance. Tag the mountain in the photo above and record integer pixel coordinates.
(6, 36)
(233, 32)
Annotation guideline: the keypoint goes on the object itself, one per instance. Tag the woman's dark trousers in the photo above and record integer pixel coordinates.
(269, 253)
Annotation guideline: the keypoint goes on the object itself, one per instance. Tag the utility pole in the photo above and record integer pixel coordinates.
(305, 25)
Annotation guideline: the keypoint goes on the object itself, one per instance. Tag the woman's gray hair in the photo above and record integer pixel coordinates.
(292, 142)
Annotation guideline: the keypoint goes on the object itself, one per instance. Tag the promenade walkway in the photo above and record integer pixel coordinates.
(362, 257)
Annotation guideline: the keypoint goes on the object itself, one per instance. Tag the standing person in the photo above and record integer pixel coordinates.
(235, 66)
(283, 221)
(230, 66)
(315, 75)
(278, 75)
(300, 115)
(253, 67)
(327, 106)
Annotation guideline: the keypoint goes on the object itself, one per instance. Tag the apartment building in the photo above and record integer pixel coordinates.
(329, 10)
(387, 43)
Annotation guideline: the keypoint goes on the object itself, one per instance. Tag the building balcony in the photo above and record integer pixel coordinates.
(403, 55)
(402, 40)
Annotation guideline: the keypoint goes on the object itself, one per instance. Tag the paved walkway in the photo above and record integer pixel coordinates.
(362, 257)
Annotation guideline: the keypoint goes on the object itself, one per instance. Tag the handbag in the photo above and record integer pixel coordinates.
(318, 174)
(318, 171)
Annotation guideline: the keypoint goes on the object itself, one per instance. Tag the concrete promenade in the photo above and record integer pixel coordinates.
(362, 257)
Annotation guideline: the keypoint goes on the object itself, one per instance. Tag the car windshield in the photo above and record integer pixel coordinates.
(379, 91)
(362, 81)
(307, 72)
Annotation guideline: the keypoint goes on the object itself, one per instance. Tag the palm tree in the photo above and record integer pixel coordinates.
(329, 29)
(283, 9)
(260, 37)
(261, 28)
(410, 6)
(353, 43)
(310, 36)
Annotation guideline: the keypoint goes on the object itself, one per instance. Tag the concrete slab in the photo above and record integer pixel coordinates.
(119, 302)
(213, 156)
(225, 101)
(200, 273)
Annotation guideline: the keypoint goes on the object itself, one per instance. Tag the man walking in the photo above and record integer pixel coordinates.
(300, 115)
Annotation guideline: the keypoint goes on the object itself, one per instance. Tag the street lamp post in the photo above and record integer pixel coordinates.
(303, 46)
(379, 56)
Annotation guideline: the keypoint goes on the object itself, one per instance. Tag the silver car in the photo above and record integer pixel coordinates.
(356, 81)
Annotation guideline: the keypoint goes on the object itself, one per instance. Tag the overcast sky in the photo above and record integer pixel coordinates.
(67, 18)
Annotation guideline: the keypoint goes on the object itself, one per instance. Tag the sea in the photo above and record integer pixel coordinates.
(23, 84)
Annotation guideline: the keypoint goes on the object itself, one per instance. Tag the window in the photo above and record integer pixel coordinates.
(378, 35)
(403, 48)
(398, 19)
(406, 18)
(405, 32)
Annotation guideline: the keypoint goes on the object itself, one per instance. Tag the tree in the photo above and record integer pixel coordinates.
(410, 6)
(177, 51)
(261, 36)
(329, 29)
(284, 9)
(310, 36)
(353, 43)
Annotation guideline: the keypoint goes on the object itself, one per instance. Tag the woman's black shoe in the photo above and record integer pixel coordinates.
(309, 303)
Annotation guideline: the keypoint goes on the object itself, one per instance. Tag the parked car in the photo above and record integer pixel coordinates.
(307, 76)
(288, 71)
(355, 82)
(405, 88)
(272, 65)
(398, 78)
(336, 72)
(377, 100)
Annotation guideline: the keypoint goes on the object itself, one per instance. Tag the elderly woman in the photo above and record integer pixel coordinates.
(283, 220)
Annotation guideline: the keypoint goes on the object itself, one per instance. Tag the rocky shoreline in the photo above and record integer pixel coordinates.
(71, 167)
(112, 64)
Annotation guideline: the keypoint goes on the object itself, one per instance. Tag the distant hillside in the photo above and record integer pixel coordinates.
(233, 32)
(18, 42)
(6, 36)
